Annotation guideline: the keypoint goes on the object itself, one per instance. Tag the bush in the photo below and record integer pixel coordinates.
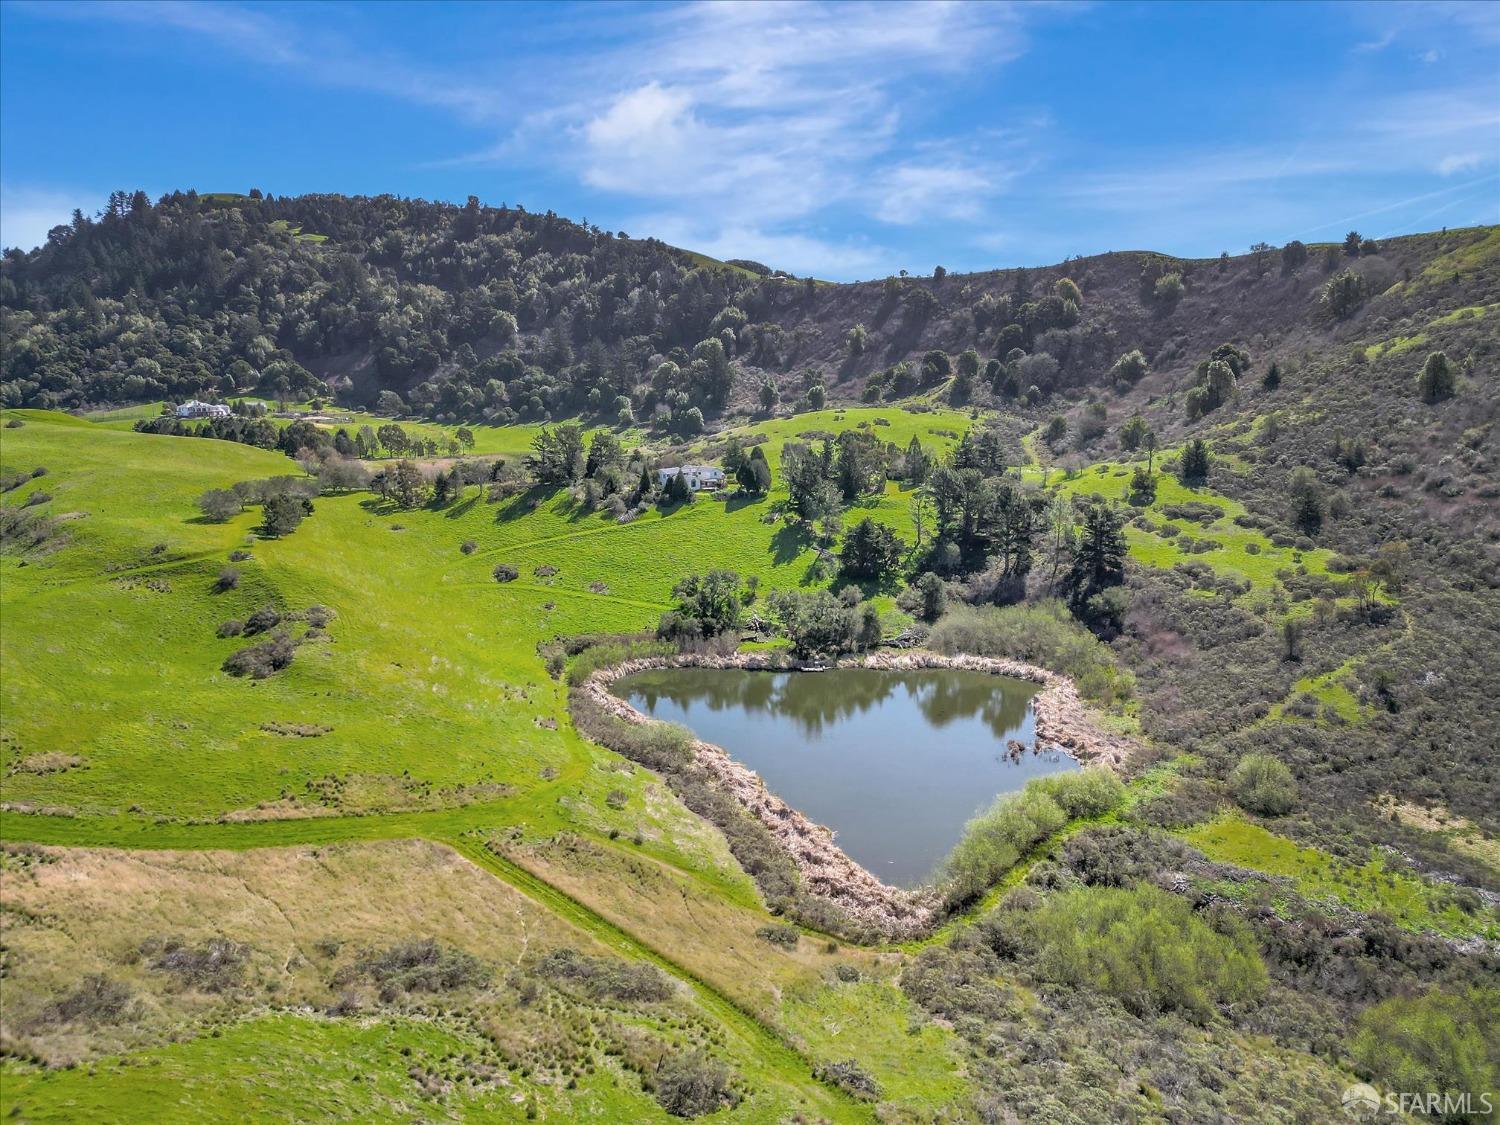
(1146, 948)
(1088, 792)
(1043, 633)
(217, 965)
(319, 616)
(97, 999)
(504, 572)
(994, 842)
(468, 546)
(231, 628)
(422, 965)
(229, 579)
(1261, 784)
(693, 1085)
(262, 660)
(1441, 1042)
(997, 839)
(779, 935)
(607, 978)
(850, 1077)
(264, 618)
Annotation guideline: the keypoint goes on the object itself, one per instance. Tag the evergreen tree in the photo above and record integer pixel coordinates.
(1195, 462)
(1436, 381)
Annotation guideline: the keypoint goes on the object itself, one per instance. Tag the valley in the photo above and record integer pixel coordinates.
(327, 820)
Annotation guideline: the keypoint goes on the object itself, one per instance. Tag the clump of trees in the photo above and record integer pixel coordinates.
(1343, 294)
(707, 605)
(1217, 379)
(871, 551)
(818, 624)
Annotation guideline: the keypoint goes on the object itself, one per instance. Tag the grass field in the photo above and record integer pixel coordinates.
(433, 712)
(414, 773)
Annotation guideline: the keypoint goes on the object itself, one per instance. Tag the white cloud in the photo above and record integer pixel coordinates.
(1460, 162)
(912, 193)
(795, 251)
(774, 112)
(27, 214)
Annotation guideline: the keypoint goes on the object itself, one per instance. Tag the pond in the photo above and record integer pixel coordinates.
(894, 762)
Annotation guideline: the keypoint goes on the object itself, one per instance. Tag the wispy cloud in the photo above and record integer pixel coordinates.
(317, 56)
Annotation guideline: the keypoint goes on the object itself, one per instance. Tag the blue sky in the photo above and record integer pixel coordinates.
(844, 140)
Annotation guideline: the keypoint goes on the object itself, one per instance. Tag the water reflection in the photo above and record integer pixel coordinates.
(894, 762)
(814, 701)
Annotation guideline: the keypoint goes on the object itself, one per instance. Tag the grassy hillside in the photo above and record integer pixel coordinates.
(349, 889)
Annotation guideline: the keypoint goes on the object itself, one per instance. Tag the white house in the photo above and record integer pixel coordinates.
(697, 476)
(195, 409)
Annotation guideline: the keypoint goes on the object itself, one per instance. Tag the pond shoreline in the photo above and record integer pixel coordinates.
(1062, 722)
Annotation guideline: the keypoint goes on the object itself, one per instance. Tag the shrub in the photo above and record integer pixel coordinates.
(504, 572)
(607, 978)
(1146, 948)
(1263, 785)
(217, 965)
(850, 1077)
(468, 546)
(97, 999)
(422, 965)
(1088, 792)
(264, 618)
(994, 842)
(1041, 633)
(1446, 1043)
(319, 616)
(231, 628)
(229, 579)
(262, 660)
(36, 499)
(779, 935)
(597, 656)
(692, 1085)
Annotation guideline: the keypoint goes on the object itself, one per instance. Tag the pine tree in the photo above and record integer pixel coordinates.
(1436, 381)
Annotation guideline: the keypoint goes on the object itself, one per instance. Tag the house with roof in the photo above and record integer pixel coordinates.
(698, 477)
(195, 409)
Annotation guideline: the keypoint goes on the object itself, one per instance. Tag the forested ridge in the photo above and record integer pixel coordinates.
(475, 313)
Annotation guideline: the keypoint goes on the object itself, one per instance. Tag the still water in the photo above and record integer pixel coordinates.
(893, 762)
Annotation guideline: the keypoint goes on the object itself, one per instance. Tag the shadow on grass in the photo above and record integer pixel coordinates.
(461, 508)
(789, 541)
(524, 503)
(744, 500)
